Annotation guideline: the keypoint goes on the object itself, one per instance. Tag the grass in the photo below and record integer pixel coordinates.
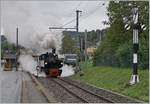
(116, 79)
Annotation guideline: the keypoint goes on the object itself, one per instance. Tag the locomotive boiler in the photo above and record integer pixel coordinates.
(51, 64)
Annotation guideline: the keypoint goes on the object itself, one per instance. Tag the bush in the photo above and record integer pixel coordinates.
(143, 53)
(124, 54)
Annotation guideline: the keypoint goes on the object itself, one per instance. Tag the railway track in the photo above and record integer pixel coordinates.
(109, 96)
(66, 90)
(60, 94)
(82, 99)
(84, 95)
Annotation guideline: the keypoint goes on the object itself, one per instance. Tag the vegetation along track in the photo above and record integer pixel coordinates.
(85, 95)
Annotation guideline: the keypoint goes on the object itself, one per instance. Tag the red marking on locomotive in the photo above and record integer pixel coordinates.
(54, 72)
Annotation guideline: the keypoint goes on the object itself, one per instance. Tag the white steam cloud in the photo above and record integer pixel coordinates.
(27, 63)
(30, 17)
(67, 71)
(47, 40)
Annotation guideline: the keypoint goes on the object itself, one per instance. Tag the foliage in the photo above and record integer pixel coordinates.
(68, 45)
(117, 47)
(6, 46)
(93, 37)
(124, 54)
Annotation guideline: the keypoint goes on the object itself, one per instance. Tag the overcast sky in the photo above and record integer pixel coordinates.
(37, 16)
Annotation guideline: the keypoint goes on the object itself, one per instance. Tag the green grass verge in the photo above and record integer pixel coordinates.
(116, 79)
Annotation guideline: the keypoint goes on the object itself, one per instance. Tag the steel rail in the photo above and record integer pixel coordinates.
(77, 96)
(88, 91)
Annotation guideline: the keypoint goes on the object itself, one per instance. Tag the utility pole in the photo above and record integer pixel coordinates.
(17, 49)
(136, 26)
(85, 46)
(77, 19)
(77, 23)
(77, 29)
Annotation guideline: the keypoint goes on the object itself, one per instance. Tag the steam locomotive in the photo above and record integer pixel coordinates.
(52, 64)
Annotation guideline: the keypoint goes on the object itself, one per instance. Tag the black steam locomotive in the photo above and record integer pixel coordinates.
(52, 64)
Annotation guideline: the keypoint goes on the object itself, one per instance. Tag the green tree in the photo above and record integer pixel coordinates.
(116, 49)
(68, 45)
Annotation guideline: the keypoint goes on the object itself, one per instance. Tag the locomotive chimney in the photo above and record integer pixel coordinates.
(53, 50)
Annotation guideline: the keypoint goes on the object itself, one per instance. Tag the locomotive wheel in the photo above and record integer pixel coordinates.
(47, 72)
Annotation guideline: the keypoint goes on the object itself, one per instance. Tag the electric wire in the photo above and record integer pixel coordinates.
(68, 22)
(86, 15)
(92, 11)
(71, 21)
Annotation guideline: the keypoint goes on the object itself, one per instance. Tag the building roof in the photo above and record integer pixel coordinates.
(9, 56)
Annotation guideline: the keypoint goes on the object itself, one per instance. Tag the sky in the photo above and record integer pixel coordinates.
(37, 16)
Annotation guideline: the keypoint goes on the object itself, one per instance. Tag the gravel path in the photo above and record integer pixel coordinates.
(10, 86)
(30, 91)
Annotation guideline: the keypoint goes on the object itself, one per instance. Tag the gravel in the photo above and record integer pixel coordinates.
(59, 93)
(88, 97)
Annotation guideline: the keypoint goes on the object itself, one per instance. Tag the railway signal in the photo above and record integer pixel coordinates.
(136, 26)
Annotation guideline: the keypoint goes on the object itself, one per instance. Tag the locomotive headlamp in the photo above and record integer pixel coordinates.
(37, 68)
(45, 62)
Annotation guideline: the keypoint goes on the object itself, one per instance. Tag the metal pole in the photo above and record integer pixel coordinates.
(17, 49)
(100, 37)
(81, 49)
(77, 19)
(86, 47)
(135, 77)
(77, 29)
